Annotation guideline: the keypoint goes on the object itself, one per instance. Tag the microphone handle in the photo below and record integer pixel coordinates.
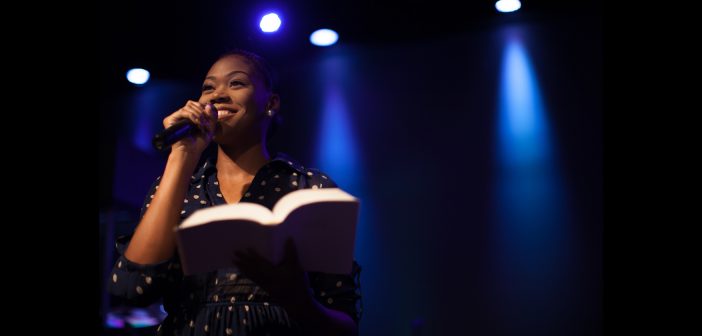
(179, 130)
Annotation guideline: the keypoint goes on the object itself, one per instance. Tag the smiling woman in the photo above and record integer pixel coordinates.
(234, 113)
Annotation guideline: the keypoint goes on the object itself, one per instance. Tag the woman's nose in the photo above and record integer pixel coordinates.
(217, 98)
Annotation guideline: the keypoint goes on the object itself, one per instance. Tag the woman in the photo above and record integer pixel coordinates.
(235, 110)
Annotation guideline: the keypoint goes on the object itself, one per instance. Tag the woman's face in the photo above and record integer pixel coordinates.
(239, 94)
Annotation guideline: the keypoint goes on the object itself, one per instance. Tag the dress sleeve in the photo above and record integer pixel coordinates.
(340, 292)
(138, 284)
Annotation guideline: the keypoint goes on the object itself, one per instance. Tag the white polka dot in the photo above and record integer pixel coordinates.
(192, 323)
(260, 197)
(114, 278)
(119, 264)
(217, 316)
(156, 187)
(322, 293)
(230, 308)
(309, 173)
(147, 204)
(139, 290)
(216, 281)
(290, 163)
(232, 276)
(247, 194)
(216, 182)
(277, 189)
(246, 307)
(215, 298)
(263, 183)
(152, 196)
(251, 296)
(148, 280)
(243, 321)
(198, 186)
(315, 187)
(203, 202)
(182, 212)
(196, 196)
(330, 300)
(294, 174)
(265, 304)
(294, 183)
(205, 328)
(324, 177)
(229, 331)
(185, 200)
(233, 299)
(192, 177)
(219, 195)
(338, 284)
(276, 176)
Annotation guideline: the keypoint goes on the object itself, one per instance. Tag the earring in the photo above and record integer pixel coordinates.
(270, 113)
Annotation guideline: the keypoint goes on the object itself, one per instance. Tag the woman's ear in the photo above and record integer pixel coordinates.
(273, 102)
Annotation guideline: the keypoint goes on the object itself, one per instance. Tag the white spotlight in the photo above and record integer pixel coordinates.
(324, 37)
(270, 23)
(506, 6)
(137, 76)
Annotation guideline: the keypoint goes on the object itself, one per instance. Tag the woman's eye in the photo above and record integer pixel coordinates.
(236, 83)
(206, 87)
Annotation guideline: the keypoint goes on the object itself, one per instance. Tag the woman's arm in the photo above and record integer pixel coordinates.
(154, 239)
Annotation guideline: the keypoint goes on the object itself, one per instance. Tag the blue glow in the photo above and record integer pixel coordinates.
(324, 37)
(533, 240)
(114, 321)
(270, 23)
(522, 127)
(507, 6)
(138, 76)
(337, 151)
(140, 318)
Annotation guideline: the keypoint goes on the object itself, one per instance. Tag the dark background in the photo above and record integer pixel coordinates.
(466, 227)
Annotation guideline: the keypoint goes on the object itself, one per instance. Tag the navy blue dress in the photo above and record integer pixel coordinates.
(223, 302)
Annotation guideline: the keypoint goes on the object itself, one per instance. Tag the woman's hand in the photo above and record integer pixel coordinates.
(204, 117)
(286, 282)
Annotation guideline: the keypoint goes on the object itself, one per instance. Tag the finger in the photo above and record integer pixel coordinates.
(195, 105)
(207, 116)
(214, 114)
(193, 114)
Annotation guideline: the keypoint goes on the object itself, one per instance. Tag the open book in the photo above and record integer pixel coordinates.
(322, 223)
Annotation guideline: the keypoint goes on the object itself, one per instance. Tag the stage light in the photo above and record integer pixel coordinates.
(138, 76)
(324, 37)
(270, 23)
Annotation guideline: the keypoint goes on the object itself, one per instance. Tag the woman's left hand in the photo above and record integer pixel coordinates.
(287, 282)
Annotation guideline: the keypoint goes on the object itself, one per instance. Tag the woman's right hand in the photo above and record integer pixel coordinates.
(204, 117)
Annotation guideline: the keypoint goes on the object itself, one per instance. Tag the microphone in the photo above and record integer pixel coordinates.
(179, 130)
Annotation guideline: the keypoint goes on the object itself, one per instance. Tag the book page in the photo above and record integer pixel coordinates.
(245, 211)
(324, 234)
(301, 197)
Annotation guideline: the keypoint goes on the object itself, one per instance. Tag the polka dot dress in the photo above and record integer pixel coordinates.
(223, 302)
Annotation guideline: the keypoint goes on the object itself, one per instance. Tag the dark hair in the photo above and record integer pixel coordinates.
(269, 80)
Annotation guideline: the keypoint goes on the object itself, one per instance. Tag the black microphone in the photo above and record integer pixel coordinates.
(179, 130)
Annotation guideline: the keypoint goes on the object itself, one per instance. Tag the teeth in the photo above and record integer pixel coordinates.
(223, 113)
